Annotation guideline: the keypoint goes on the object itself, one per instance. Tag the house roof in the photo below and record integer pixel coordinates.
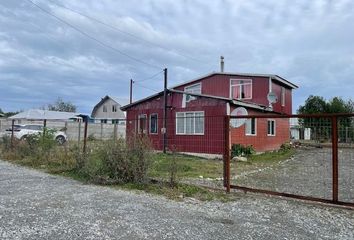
(272, 76)
(231, 101)
(38, 114)
(118, 100)
(124, 108)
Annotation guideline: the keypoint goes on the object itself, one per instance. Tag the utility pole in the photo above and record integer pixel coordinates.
(164, 130)
(131, 90)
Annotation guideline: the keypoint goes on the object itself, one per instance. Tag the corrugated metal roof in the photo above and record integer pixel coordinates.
(38, 114)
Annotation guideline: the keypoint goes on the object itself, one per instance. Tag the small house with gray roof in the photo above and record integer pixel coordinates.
(107, 110)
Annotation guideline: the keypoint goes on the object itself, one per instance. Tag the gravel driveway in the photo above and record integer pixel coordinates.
(308, 173)
(35, 205)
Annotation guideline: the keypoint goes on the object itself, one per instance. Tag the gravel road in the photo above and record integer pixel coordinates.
(35, 205)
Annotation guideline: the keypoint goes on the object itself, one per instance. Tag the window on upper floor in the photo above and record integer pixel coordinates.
(241, 88)
(282, 96)
(114, 108)
(196, 88)
(104, 109)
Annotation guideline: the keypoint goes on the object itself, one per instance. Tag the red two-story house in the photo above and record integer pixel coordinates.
(196, 113)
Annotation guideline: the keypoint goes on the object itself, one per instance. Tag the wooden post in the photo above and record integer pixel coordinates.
(227, 154)
(334, 159)
(101, 130)
(44, 126)
(79, 134)
(115, 131)
(165, 112)
(12, 132)
(85, 136)
(131, 91)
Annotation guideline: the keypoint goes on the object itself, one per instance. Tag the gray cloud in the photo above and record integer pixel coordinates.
(307, 42)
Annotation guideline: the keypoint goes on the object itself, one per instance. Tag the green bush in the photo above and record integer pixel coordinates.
(119, 161)
(240, 150)
(285, 147)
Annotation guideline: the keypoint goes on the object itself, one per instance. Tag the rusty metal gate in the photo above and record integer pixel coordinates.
(321, 165)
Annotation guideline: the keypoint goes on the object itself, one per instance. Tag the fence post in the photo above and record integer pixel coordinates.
(12, 133)
(44, 126)
(85, 136)
(115, 131)
(79, 134)
(334, 159)
(101, 130)
(227, 153)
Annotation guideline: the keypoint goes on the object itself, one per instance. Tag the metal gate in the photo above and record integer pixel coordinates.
(321, 165)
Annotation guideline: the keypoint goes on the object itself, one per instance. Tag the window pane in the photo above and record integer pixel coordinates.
(153, 123)
(251, 126)
(189, 123)
(180, 122)
(236, 92)
(199, 123)
(247, 91)
(269, 126)
(194, 89)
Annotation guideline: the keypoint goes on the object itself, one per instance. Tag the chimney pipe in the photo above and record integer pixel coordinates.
(221, 64)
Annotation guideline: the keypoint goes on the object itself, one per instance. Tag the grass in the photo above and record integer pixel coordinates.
(194, 167)
(61, 161)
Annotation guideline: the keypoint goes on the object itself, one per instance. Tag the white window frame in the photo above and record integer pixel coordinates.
(233, 85)
(114, 108)
(157, 123)
(274, 129)
(255, 127)
(191, 98)
(184, 119)
(282, 93)
(194, 85)
(139, 117)
(104, 108)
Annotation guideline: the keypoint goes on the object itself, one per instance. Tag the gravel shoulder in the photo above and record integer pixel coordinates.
(36, 205)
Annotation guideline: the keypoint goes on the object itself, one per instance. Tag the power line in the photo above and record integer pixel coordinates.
(125, 32)
(151, 89)
(151, 77)
(93, 38)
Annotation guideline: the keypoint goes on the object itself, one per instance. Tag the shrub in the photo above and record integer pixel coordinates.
(117, 161)
(240, 150)
(91, 137)
(285, 147)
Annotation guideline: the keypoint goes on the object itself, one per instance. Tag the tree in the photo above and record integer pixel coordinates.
(62, 106)
(321, 126)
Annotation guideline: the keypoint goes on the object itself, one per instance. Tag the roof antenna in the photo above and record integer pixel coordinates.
(221, 63)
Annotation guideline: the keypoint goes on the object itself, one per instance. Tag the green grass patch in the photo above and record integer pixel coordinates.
(187, 166)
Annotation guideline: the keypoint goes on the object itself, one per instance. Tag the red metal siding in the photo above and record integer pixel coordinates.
(261, 141)
(219, 85)
(277, 107)
(212, 141)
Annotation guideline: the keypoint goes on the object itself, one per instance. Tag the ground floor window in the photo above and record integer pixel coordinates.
(142, 124)
(271, 127)
(251, 125)
(153, 123)
(103, 120)
(190, 123)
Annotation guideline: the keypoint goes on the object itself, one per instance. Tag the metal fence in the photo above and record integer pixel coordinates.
(75, 131)
(321, 167)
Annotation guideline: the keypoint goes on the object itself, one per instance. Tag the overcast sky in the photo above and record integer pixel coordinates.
(310, 43)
